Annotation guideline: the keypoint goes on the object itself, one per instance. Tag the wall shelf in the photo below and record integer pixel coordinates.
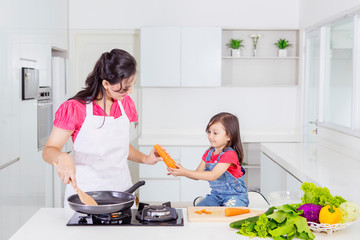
(247, 166)
(265, 69)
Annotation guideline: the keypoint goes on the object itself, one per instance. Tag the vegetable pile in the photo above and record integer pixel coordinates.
(319, 206)
(291, 220)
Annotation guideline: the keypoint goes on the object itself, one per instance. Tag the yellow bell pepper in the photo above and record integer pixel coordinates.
(330, 215)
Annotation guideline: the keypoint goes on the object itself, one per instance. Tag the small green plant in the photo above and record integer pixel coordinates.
(235, 43)
(282, 43)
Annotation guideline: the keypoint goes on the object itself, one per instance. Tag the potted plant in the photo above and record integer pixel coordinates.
(282, 44)
(235, 45)
(255, 38)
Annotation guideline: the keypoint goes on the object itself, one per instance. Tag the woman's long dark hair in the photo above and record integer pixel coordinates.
(232, 129)
(114, 67)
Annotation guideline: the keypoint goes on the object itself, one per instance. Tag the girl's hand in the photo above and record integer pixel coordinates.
(180, 171)
(65, 168)
(152, 158)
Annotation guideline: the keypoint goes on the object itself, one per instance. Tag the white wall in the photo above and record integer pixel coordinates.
(124, 14)
(313, 12)
(266, 110)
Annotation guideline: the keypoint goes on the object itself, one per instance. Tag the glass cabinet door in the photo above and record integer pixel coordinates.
(338, 81)
(312, 76)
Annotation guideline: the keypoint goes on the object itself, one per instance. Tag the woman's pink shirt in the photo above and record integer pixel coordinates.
(71, 114)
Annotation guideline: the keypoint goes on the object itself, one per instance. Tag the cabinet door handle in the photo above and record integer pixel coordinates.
(9, 163)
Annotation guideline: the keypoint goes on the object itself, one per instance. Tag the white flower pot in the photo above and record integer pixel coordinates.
(282, 52)
(235, 53)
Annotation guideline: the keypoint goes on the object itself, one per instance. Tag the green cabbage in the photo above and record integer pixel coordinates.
(350, 211)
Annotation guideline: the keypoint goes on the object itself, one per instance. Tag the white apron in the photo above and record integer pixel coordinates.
(101, 153)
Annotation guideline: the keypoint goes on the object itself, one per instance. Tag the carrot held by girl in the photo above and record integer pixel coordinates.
(221, 164)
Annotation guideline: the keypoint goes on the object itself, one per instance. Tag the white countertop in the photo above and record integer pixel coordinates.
(50, 223)
(320, 165)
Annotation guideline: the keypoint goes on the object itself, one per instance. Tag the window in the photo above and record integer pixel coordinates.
(338, 82)
(333, 60)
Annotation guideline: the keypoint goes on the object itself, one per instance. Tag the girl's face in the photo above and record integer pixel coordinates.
(114, 91)
(217, 136)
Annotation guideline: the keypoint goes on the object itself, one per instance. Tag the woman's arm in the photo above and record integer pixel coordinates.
(200, 173)
(53, 155)
(139, 157)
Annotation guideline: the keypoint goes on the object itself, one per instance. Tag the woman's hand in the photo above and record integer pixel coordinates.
(65, 168)
(152, 158)
(180, 171)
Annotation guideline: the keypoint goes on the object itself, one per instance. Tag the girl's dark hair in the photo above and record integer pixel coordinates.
(232, 129)
(114, 67)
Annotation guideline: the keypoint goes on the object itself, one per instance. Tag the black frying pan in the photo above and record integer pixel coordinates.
(109, 201)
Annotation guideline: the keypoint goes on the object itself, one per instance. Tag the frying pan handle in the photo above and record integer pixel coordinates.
(135, 186)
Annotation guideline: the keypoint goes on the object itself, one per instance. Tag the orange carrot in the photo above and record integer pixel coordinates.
(167, 159)
(203, 211)
(235, 211)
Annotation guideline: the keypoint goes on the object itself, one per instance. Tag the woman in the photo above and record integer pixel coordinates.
(98, 120)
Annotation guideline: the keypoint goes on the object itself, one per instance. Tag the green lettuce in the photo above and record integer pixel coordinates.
(283, 224)
(319, 195)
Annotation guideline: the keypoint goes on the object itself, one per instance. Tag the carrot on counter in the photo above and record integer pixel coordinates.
(203, 211)
(167, 159)
(235, 211)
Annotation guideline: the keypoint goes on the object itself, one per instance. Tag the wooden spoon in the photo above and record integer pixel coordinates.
(85, 198)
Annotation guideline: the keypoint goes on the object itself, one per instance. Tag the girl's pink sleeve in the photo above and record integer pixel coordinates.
(130, 108)
(68, 115)
(229, 157)
(205, 155)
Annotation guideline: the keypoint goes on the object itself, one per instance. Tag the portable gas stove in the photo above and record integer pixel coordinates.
(145, 215)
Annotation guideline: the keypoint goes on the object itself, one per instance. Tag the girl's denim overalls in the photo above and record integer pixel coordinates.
(226, 190)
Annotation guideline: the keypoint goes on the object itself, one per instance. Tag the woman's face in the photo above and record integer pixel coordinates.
(116, 92)
(217, 135)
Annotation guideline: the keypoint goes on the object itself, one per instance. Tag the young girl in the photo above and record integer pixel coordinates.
(221, 164)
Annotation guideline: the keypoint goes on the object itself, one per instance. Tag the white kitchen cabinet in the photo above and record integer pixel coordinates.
(160, 190)
(201, 57)
(191, 157)
(275, 178)
(251, 164)
(180, 57)
(10, 200)
(160, 56)
(266, 68)
(10, 97)
(159, 187)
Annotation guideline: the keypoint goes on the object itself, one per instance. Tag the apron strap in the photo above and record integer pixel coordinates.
(89, 109)
(121, 108)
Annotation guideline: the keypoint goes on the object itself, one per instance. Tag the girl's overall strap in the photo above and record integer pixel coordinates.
(208, 157)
